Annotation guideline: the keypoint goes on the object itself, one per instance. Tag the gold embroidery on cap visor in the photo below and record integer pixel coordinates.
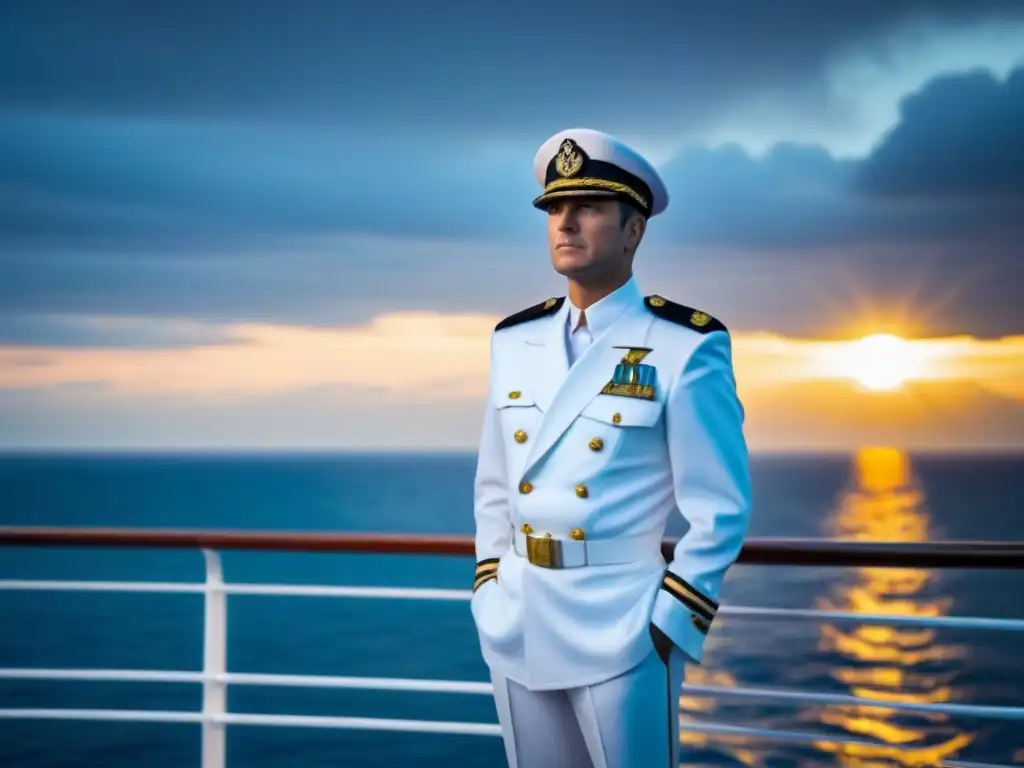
(587, 185)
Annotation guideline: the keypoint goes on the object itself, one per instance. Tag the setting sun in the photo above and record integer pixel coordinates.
(881, 361)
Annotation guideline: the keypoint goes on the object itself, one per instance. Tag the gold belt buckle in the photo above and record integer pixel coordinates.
(543, 551)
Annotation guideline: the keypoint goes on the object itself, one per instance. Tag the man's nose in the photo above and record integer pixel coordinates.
(567, 222)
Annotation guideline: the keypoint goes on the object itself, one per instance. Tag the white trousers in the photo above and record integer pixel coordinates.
(630, 721)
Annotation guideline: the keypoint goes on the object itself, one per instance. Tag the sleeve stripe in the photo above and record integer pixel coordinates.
(689, 596)
(481, 580)
(485, 571)
(486, 566)
(685, 599)
(711, 604)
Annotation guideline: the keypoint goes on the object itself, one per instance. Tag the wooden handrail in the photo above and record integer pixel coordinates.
(764, 551)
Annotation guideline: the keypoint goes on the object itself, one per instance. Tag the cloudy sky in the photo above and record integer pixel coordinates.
(262, 225)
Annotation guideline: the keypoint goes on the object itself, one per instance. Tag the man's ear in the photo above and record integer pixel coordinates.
(636, 226)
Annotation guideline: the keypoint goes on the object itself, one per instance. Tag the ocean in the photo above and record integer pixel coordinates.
(873, 494)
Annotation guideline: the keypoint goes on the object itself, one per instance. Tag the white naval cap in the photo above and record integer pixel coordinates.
(584, 162)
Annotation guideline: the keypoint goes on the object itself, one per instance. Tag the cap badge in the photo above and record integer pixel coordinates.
(569, 160)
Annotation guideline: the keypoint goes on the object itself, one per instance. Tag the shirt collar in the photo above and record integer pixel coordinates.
(602, 314)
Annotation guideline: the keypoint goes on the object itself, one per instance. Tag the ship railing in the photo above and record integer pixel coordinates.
(215, 677)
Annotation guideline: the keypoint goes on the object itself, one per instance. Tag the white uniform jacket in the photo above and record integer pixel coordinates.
(603, 472)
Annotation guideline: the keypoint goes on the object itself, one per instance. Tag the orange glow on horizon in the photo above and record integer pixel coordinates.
(407, 349)
(960, 392)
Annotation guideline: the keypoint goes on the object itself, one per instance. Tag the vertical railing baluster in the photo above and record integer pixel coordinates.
(214, 663)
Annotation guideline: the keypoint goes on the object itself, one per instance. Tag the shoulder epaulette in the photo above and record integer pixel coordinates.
(532, 313)
(692, 318)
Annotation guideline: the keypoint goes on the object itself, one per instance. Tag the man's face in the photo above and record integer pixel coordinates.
(586, 237)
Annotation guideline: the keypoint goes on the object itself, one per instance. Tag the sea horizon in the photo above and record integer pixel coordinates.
(203, 451)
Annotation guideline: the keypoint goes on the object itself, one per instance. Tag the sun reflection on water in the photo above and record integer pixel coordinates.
(892, 664)
(689, 706)
(882, 502)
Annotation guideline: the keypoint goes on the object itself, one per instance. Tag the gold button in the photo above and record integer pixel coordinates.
(526, 528)
(514, 394)
(596, 444)
(577, 534)
(520, 436)
(525, 487)
(582, 492)
(616, 418)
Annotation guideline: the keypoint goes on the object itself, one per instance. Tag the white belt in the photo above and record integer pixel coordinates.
(548, 552)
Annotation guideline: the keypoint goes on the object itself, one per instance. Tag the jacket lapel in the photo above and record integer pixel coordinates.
(547, 360)
(584, 380)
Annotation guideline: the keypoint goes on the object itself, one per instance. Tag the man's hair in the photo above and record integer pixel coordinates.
(626, 212)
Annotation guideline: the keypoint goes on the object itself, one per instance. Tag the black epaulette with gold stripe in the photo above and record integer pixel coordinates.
(532, 313)
(485, 571)
(702, 606)
(692, 318)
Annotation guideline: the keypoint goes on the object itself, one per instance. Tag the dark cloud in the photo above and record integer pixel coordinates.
(149, 187)
(958, 287)
(70, 331)
(962, 137)
(455, 67)
(319, 282)
(795, 195)
(236, 222)
(112, 183)
(838, 292)
(799, 196)
(951, 168)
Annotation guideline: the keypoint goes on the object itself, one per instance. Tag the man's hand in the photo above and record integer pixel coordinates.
(662, 643)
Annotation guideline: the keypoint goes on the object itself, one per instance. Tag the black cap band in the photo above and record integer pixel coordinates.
(571, 173)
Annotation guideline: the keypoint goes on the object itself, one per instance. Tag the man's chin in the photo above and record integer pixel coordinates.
(570, 262)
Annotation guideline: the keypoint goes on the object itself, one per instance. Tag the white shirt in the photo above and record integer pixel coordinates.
(597, 318)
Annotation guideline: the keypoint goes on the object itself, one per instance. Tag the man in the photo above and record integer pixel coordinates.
(606, 413)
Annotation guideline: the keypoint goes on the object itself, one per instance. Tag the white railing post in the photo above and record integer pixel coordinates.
(214, 663)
